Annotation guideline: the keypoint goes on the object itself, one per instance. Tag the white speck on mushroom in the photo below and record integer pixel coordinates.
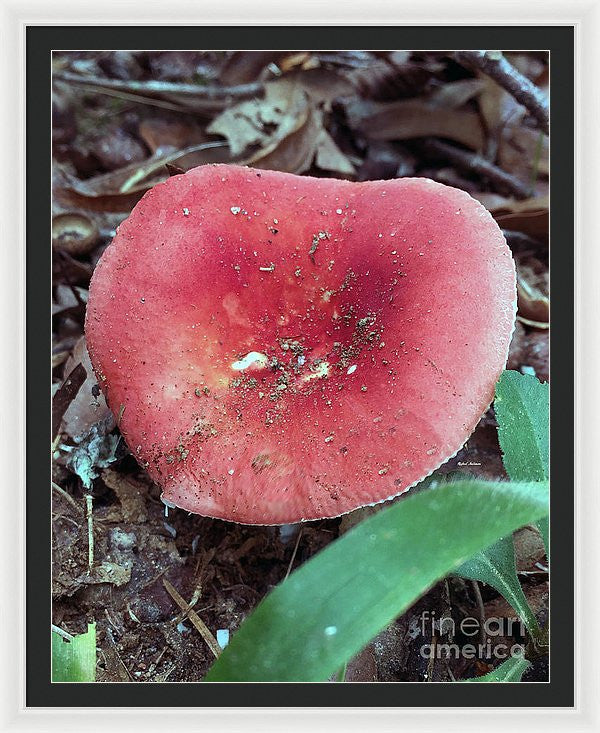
(235, 210)
(329, 438)
(352, 369)
(301, 360)
(231, 471)
(252, 358)
(270, 268)
(186, 211)
(339, 211)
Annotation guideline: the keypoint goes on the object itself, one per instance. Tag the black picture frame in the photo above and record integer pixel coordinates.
(40, 41)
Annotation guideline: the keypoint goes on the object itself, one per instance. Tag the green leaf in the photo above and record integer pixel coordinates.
(327, 610)
(509, 671)
(522, 409)
(523, 414)
(496, 566)
(74, 661)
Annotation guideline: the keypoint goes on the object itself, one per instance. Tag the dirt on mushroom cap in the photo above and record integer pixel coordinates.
(291, 348)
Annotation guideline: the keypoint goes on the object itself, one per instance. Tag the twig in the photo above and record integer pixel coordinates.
(289, 570)
(473, 163)
(135, 98)
(67, 497)
(495, 65)
(163, 87)
(201, 627)
(88, 508)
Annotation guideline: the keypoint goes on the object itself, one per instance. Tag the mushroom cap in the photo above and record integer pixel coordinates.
(283, 348)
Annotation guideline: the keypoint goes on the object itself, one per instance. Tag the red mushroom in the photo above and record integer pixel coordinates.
(284, 348)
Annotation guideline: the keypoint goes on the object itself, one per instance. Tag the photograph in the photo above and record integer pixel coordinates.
(300, 366)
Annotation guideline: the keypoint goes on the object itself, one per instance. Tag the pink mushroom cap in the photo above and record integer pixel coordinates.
(283, 348)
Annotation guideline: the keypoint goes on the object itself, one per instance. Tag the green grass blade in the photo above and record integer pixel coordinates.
(326, 611)
(74, 661)
(510, 671)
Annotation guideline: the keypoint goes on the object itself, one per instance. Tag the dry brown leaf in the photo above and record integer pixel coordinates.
(246, 66)
(87, 407)
(330, 158)
(383, 80)
(295, 152)
(533, 223)
(120, 190)
(100, 193)
(322, 85)
(455, 94)
(529, 216)
(518, 150)
(408, 119)
(532, 290)
(263, 122)
(497, 106)
(160, 134)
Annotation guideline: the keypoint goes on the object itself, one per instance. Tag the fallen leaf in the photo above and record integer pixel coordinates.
(381, 80)
(521, 149)
(263, 122)
(322, 85)
(530, 216)
(455, 94)
(172, 134)
(66, 394)
(330, 158)
(498, 107)
(121, 190)
(295, 152)
(115, 148)
(89, 405)
(408, 119)
(532, 290)
(246, 66)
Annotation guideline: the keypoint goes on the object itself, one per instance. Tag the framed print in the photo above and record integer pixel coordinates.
(297, 366)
